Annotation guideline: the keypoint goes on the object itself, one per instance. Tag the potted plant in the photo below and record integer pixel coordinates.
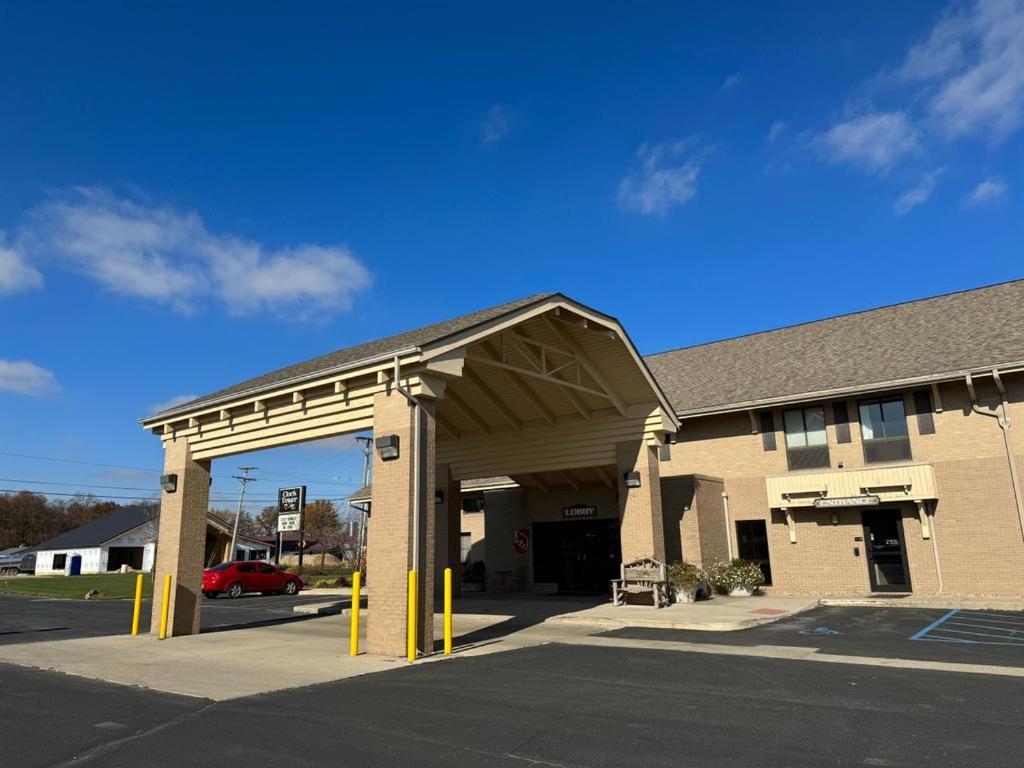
(737, 578)
(686, 580)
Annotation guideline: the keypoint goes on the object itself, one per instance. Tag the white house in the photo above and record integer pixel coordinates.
(127, 537)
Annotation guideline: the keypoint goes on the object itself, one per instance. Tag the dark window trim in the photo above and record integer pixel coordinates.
(807, 456)
(878, 444)
(841, 421)
(766, 423)
(923, 410)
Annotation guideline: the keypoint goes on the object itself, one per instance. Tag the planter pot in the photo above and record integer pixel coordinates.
(741, 592)
(685, 595)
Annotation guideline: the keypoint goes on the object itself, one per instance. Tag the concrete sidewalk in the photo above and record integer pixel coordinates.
(721, 614)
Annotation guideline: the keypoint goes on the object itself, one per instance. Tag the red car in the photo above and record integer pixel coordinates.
(235, 578)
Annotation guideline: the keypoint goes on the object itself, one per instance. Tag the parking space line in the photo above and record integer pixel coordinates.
(1018, 616)
(1013, 640)
(935, 624)
(986, 620)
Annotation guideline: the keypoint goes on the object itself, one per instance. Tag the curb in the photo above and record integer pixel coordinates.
(937, 603)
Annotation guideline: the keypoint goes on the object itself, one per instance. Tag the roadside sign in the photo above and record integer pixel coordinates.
(290, 522)
(290, 500)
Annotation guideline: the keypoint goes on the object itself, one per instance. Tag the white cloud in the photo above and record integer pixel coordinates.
(170, 403)
(16, 274)
(987, 191)
(25, 378)
(495, 125)
(917, 194)
(873, 141)
(972, 66)
(169, 257)
(730, 82)
(776, 129)
(662, 176)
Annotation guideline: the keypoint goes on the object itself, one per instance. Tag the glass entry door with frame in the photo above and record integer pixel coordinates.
(886, 551)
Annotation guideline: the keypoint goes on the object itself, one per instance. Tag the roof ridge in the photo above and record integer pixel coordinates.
(835, 317)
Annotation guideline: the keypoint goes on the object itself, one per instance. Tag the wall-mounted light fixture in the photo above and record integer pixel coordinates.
(632, 479)
(387, 447)
(439, 496)
(169, 483)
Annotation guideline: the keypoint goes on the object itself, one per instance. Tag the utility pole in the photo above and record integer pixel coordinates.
(367, 445)
(245, 480)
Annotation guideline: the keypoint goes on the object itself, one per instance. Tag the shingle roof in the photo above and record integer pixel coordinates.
(98, 531)
(348, 356)
(928, 337)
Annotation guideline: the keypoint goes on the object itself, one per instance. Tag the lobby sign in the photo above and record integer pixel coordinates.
(848, 501)
(578, 511)
(521, 540)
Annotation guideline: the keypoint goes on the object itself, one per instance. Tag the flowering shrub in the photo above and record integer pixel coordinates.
(739, 573)
(684, 575)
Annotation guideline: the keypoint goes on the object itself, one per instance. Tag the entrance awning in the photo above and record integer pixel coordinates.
(896, 483)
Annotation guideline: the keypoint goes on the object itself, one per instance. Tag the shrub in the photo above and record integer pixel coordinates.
(739, 573)
(684, 575)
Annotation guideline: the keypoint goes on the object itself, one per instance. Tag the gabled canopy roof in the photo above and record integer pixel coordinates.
(898, 344)
(357, 355)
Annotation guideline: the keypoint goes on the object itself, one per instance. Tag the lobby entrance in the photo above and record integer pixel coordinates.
(578, 557)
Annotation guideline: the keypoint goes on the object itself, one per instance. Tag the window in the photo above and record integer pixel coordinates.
(247, 568)
(466, 546)
(60, 562)
(806, 441)
(883, 428)
(268, 569)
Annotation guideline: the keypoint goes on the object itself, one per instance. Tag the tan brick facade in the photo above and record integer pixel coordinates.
(389, 548)
(182, 541)
(643, 530)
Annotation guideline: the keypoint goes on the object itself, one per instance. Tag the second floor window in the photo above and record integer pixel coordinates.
(806, 440)
(883, 427)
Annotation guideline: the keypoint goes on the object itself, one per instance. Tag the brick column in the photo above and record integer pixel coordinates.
(389, 542)
(642, 530)
(182, 541)
(448, 530)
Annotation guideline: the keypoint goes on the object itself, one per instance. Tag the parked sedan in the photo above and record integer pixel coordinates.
(235, 578)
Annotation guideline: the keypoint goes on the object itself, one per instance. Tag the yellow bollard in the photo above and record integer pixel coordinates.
(447, 610)
(353, 630)
(138, 606)
(166, 606)
(410, 637)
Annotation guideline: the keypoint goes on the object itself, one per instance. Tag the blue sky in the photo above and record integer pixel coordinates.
(196, 194)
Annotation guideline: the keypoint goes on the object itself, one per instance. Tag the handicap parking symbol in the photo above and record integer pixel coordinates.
(820, 631)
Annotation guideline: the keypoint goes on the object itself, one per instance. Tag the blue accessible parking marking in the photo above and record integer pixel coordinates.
(976, 627)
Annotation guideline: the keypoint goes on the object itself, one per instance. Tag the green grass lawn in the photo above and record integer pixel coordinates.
(111, 586)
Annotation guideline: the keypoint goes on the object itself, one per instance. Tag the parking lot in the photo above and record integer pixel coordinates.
(27, 619)
(960, 637)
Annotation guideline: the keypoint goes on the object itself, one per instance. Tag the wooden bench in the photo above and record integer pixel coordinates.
(639, 577)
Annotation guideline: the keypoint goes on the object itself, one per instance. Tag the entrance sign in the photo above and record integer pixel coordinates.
(576, 511)
(291, 500)
(292, 522)
(848, 501)
(521, 540)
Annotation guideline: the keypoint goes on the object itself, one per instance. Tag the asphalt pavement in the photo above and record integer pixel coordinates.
(966, 637)
(547, 705)
(28, 619)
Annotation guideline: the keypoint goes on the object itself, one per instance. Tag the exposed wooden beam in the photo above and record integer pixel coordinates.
(469, 413)
(604, 476)
(577, 403)
(522, 387)
(446, 427)
(570, 479)
(225, 414)
(537, 481)
(473, 378)
(595, 373)
(561, 383)
(570, 318)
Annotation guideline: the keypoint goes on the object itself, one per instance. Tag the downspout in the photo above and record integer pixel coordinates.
(416, 470)
(728, 526)
(935, 550)
(1003, 420)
